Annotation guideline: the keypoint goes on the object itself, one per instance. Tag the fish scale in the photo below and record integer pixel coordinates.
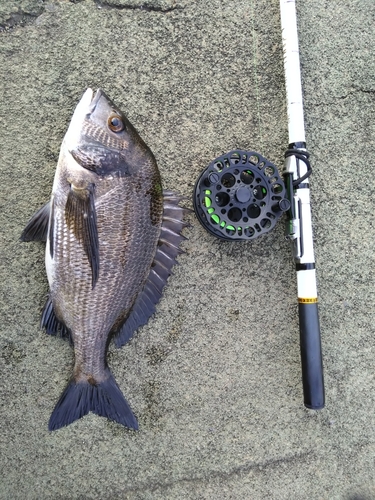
(112, 239)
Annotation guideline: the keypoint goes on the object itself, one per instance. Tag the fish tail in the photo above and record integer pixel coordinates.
(104, 398)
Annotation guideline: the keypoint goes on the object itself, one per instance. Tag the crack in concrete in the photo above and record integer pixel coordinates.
(236, 471)
(355, 91)
(19, 19)
(22, 18)
(146, 7)
(352, 93)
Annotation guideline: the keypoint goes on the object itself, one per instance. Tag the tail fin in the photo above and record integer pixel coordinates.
(104, 399)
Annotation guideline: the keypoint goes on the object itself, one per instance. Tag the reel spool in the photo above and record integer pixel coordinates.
(239, 196)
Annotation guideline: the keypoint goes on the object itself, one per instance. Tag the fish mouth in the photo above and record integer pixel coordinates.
(86, 99)
(99, 95)
(73, 133)
(84, 105)
(94, 100)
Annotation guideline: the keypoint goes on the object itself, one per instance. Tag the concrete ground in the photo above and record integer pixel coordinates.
(215, 377)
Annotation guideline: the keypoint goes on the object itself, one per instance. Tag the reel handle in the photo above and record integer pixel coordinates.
(311, 356)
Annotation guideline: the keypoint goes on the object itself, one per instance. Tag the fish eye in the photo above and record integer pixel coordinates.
(115, 123)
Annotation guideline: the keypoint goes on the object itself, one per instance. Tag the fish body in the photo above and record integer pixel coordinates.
(112, 237)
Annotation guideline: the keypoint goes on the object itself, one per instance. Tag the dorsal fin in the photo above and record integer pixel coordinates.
(165, 257)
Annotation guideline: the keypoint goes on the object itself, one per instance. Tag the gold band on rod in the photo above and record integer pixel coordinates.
(304, 300)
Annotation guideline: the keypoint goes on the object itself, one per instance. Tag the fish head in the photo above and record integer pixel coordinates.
(101, 139)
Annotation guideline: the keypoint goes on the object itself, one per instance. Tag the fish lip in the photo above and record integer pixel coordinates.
(74, 132)
(88, 94)
(94, 101)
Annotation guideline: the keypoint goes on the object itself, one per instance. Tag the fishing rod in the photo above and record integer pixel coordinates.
(297, 170)
(240, 196)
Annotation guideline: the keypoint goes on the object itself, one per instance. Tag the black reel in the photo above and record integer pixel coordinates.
(239, 196)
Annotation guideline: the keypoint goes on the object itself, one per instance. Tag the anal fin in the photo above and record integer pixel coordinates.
(165, 257)
(52, 324)
(37, 227)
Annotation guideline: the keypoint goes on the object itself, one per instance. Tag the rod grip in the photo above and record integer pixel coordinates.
(311, 356)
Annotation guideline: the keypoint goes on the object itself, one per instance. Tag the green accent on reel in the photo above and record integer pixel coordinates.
(207, 201)
(215, 218)
(208, 191)
(222, 224)
(231, 228)
(211, 210)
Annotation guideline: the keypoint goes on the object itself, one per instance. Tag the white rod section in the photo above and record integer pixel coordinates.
(293, 86)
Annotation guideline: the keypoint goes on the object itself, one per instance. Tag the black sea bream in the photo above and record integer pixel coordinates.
(112, 238)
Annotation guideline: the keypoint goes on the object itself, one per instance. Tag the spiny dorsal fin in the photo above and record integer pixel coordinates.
(37, 227)
(80, 216)
(165, 257)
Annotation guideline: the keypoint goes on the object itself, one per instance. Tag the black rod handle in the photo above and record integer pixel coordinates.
(311, 356)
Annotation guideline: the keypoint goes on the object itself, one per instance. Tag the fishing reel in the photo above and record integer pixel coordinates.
(240, 196)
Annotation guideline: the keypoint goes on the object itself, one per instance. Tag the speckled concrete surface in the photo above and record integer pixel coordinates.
(214, 378)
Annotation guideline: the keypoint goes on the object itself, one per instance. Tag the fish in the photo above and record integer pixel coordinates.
(112, 237)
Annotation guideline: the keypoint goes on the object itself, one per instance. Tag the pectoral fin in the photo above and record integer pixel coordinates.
(80, 216)
(37, 227)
